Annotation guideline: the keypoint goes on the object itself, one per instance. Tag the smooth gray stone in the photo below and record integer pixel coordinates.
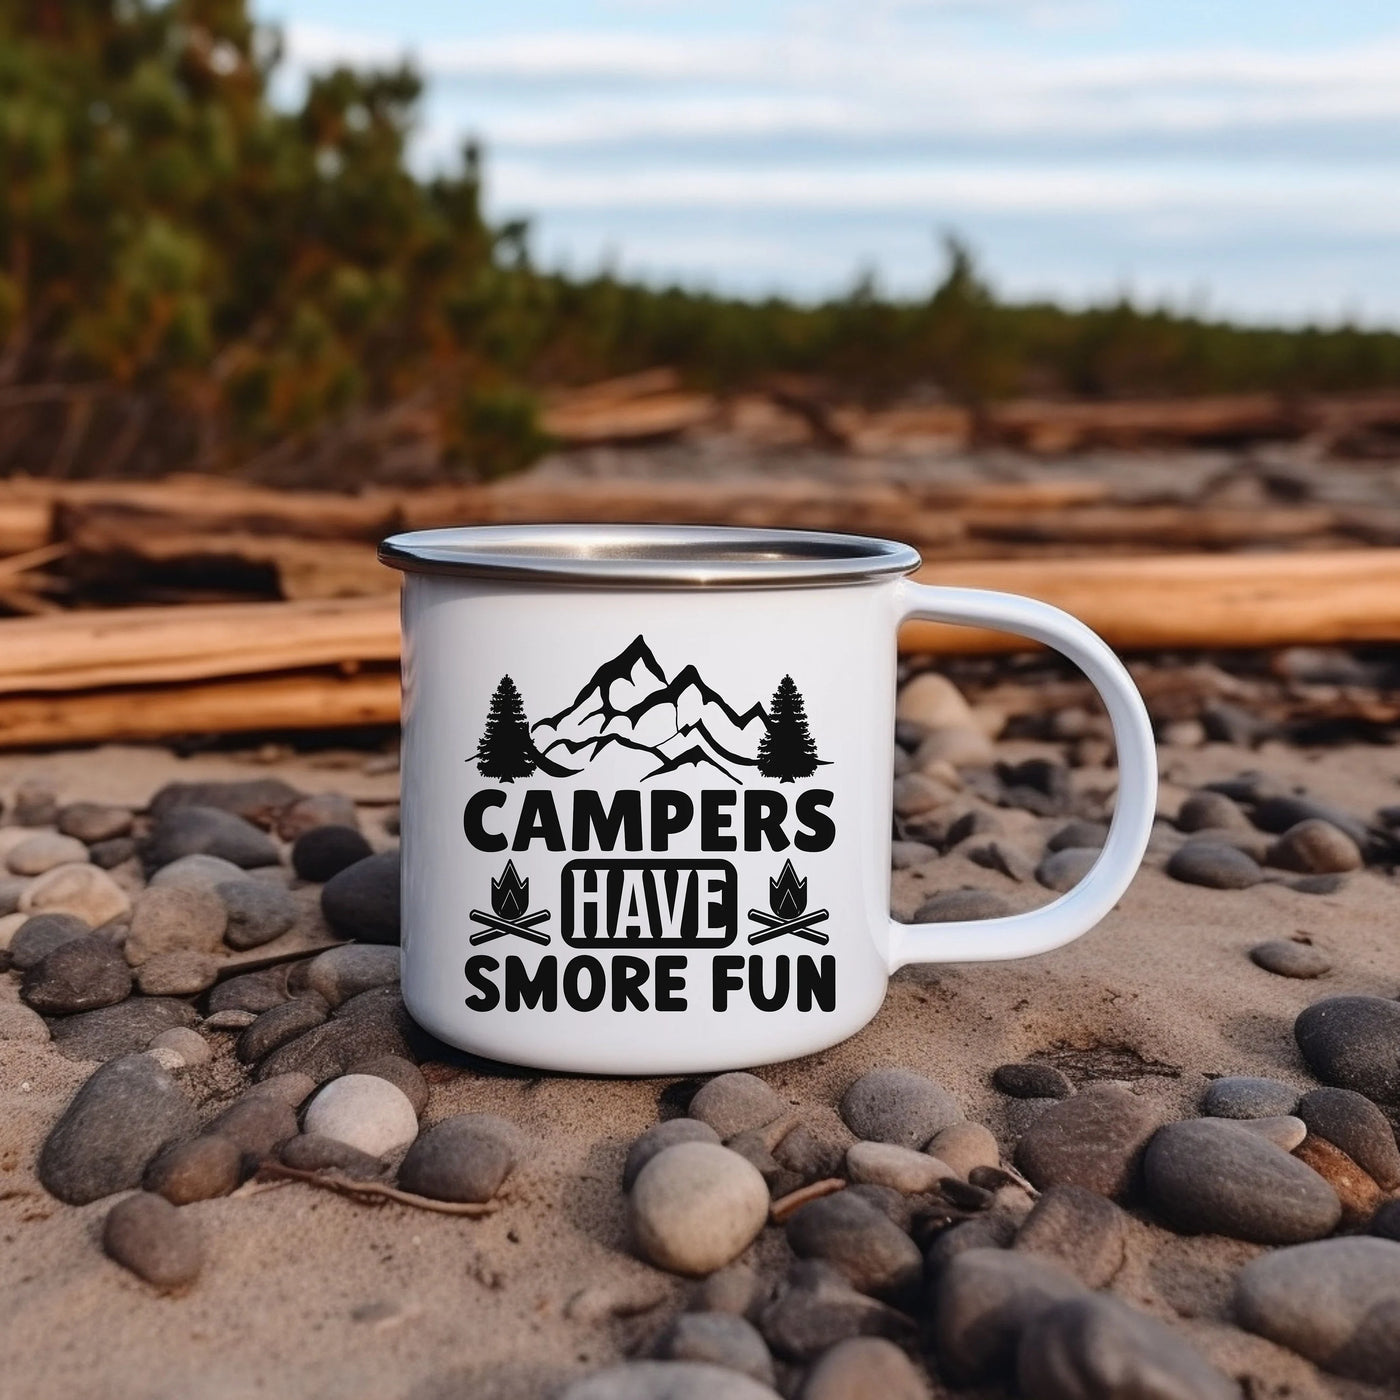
(39, 935)
(258, 1124)
(107, 855)
(371, 1024)
(854, 1236)
(258, 912)
(320, 809)
(155, 1240)
(341, 973)
(115, 1124)
(985, 1300)
(1353, 1042)
(1079, 1229)
(1315, 847)
(199, 872)
(1214, 865)
(80, 974)
(667, 1380)
(1005, 859)
(251, 991)
(955, 906)
(899, 1106)
(363, 901)
(257, 800)
(11, 888)
(1248, 1096)
(309, 1152)
(1029, 1079)
(92, 822)
(814, 1308)
(1336, 1302)
(1078, 835)
(992, 1229)
(1062, 870)
(1096, 1348)
(864, 1368)
(1095, 1140)
(1386, 1221)
(122, 1029)
(189, 831)
(280, 1025)
(1350, 1121)
(904, 855)
(736, 1102)
(719, 1339)
(658, 1138)
(1285, 958)
(195, 1170)
(1212, 1176)
(403, 1074)
(325, 851)
(464, 1158)
(1276, 814)
(1211, 811)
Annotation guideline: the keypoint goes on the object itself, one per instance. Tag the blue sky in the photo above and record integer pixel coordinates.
(1235, 156)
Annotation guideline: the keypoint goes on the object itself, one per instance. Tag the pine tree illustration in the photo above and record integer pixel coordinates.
(786, 752)
(505, 751)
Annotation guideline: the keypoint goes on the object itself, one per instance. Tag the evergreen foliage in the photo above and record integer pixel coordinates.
(786, 751)
(506, 751)
(193, 277)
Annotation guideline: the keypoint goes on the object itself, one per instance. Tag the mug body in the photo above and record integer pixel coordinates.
(645, 830)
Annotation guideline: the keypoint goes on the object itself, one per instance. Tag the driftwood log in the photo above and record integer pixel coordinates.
(146, 673)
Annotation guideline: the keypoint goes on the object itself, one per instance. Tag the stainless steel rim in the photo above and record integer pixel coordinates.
(649, 556)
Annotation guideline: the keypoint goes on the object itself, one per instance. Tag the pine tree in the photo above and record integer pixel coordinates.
(786, 752)
(506, 751)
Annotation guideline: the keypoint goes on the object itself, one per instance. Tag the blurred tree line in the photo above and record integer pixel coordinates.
(193, 277)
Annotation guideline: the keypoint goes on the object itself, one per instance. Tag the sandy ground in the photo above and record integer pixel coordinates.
(307, 1295)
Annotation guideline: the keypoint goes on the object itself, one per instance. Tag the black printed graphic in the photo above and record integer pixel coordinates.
(787, 895)
(506, 751)
(615, 903)
(510, 900)
(786, 752)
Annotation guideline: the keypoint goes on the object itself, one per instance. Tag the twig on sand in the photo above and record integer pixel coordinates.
(374, 1192)
(784, 1206)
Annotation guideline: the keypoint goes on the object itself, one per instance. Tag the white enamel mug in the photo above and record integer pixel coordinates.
(647, 783)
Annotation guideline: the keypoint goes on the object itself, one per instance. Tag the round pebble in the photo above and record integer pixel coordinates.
(196, 1170)
(1095, 1140)
(403, 1074)
(658, 1138)
(957, 906)
(78, 975)
(1283, 1130)
(125, 1113)
(19, 1022)
(341, 973)
(864, 1368)
(362, 901)
(1211, 1176)
(40, 934)
(1096, 1348)
(280, 1025)
(467, 1158)
(1216, 866)
(256, 912)
(900, 1168)
(962, 1147)
(1353, 1123)
(165, 918)
(905, 855)
(1247, 1096)
(364, 1112)
(1334, 1302)
(931, 701)
(258, 1125)
(309, 1152)
(917, 793)
(195, 830)
(155, 1240)
(1079, 1229)
(43, 851)
(962, 745)
(1315, 847)
(1078, 835)
(123, 1029)
(93, 822)
(83, 890)
(251, 991)
(668, 1380)
(290, 1089)
(257, 800)
(325, 851)
(734, 1103)
(201, 872)
(107, 855)
(695, 1207)
(1289, 959)
(899, 1106)
(320, 809)
(1211, 811)
(1063, 870)
(860, 1240)
(1031, 1080)
(719, 1338)
(815, 1307)
(1353, 1042)
(11, 887)
(180, 972)
(189, 1045)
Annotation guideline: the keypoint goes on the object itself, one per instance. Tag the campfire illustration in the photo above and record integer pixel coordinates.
(788, 897)
(510, 898)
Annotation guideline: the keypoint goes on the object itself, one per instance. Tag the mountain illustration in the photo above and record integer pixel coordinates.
(630, 707)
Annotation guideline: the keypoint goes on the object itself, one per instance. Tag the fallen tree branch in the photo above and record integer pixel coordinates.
(787, 1205)
(374, 1193)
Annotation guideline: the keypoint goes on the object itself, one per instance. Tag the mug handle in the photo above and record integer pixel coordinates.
(1077, 911)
